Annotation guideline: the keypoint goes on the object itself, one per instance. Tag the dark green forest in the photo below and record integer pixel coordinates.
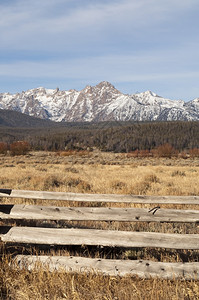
(106, 136)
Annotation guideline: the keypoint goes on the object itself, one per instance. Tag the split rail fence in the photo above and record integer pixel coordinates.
(26, 235)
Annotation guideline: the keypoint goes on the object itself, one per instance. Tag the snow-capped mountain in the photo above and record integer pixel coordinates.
(98, 103)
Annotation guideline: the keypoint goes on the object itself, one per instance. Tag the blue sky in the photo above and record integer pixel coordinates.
(137, 45)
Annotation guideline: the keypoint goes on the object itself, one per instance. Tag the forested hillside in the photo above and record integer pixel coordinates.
(107, 136)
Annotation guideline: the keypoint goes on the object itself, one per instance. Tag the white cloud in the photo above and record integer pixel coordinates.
(49, 24)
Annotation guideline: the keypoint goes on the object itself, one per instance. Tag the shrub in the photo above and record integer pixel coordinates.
(19, 148)
(151, 178)
(3, 148)
(145, 153)
(133, 153)
(78, 183)
(165, 150)
(194, 152)
(118, 185)
(178, 173)
(52, 181)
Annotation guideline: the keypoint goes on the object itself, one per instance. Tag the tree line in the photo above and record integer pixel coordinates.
(107, 136)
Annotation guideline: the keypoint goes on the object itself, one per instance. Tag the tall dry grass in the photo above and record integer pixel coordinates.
(98, 173)
(43, 285)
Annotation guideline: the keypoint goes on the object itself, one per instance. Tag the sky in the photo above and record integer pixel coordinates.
(137, 45)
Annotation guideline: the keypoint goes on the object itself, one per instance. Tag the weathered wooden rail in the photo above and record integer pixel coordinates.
(43, 195)
(38, 212)
(96, 237)
(112, 267)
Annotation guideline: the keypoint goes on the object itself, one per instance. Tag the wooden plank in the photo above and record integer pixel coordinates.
(43, 195)
(112, 267)
(34, 212)
(93, 237)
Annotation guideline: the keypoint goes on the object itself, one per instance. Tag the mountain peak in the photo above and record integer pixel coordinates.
(87, 89)
(150, 93)
(103, 84)
(102, 102)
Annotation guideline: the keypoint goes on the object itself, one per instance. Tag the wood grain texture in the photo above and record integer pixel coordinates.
(43, 195)
(94, 237)
(141, 268)
(34, 212)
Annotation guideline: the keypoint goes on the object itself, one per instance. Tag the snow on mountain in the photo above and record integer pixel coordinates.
(102, 102)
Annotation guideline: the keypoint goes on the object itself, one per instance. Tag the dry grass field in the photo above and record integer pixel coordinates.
(107, 173)
(100, 173)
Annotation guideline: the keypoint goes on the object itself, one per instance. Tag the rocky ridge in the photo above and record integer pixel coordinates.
(102, 102)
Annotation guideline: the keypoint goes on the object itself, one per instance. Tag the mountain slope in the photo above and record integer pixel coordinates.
(9, 118)
(102, 102)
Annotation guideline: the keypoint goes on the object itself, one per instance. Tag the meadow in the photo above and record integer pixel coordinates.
(98, 172)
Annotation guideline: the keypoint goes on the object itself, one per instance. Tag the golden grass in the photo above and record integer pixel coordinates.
(99, 173)
(42, 285)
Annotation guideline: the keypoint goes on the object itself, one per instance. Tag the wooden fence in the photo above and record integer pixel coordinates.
(27, 235)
